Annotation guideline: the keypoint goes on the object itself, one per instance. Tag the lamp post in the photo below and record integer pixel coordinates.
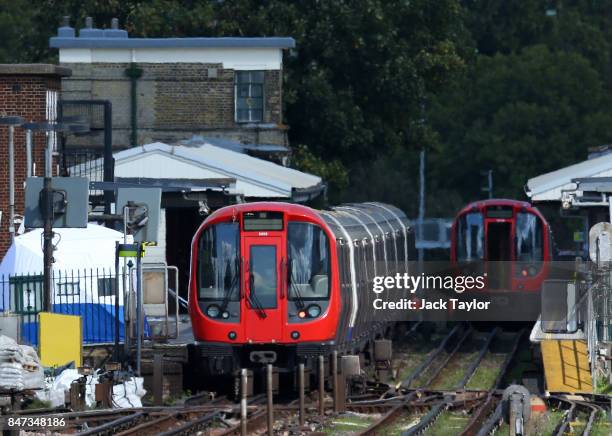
(11, 122)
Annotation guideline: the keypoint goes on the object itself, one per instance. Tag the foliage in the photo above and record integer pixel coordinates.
(332, 172)
(518, 86)
(521, 115)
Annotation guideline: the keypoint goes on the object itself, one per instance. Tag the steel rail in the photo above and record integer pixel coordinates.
(448, 358)
(112, 426)
(569, 415)
(427, 420)
(508, 360)
(192, 426)
(153, 424)
(492, 421)
(389, 417)
(474, 365)
(419, 369)
(255, 420)
(592, 416)
(479, 416)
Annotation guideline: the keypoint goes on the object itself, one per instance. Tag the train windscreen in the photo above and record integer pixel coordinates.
(470, 237)
(308, 252)
(219, 265)
(529, 238)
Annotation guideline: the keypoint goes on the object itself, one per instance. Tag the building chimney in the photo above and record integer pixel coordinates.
(65, 31)
(89, 31)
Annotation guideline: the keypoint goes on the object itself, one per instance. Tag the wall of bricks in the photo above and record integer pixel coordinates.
(23, 92)
(175, 102)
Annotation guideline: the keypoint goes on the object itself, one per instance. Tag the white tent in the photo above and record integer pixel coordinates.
(91, 247)
(83, 280)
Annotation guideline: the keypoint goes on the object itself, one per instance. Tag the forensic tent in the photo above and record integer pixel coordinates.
(83, 280)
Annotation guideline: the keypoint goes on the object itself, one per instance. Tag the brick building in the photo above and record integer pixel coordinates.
(170, 89)
(29, 91)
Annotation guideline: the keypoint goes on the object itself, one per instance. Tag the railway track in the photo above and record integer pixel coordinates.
(442, 377)
(454, 386)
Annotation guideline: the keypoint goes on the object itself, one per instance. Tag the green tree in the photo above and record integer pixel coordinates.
(521, 115)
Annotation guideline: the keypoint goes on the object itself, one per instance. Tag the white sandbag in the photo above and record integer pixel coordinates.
(34, 379)
(63, 381)
(33, 372)
(55, 390)
(129, 393)
(11, 375)
(10, 350)
(55, 397)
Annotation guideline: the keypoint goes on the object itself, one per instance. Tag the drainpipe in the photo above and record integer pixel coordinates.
(134, 73)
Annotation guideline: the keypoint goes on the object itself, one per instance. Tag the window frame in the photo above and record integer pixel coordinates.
(250, 83)
(329, 261)
(61, 286)
(107, 281)
(275, 276)
(200, 259)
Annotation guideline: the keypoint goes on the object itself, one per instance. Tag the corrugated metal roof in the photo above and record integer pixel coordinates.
(256, 178)
(230, 144)
(548, 187)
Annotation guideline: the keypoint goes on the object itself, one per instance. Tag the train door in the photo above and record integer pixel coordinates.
(499, 252)
(263, 308)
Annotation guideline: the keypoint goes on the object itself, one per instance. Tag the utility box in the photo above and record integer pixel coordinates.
(143, 215)
(70, 202)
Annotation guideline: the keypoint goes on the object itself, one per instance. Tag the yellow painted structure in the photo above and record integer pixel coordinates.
(60, 339)
(566, 366)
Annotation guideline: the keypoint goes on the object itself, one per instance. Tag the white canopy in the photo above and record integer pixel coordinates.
(548, 187)
(254, 177)
(91, 247)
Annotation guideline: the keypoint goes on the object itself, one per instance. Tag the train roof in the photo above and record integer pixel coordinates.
(481, 204)
(365, 220)
(359, 220)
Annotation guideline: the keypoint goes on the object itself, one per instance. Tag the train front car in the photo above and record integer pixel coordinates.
(510, 243)
(282, 283)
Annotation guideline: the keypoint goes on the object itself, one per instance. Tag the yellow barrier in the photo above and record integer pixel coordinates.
(566, 366)
(60, 339)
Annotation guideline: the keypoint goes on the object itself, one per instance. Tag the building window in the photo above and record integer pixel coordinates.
(106, 287)
(68, 288)
(249, 96)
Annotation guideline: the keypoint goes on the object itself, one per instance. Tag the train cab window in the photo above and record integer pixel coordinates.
(529, 241)
(219, 269)
(470, 237)
(308, 253)
(263, 270)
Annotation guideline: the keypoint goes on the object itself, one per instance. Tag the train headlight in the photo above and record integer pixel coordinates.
(313, 310)
(295, 335)
(225, 315)
(213, 311)
(232, 335)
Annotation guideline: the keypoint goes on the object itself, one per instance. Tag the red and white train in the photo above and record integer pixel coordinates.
(511, 242)
(283, 283)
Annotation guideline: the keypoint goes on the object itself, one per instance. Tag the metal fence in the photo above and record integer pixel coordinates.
(77, 162)
(89, 293)
(595, 309)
